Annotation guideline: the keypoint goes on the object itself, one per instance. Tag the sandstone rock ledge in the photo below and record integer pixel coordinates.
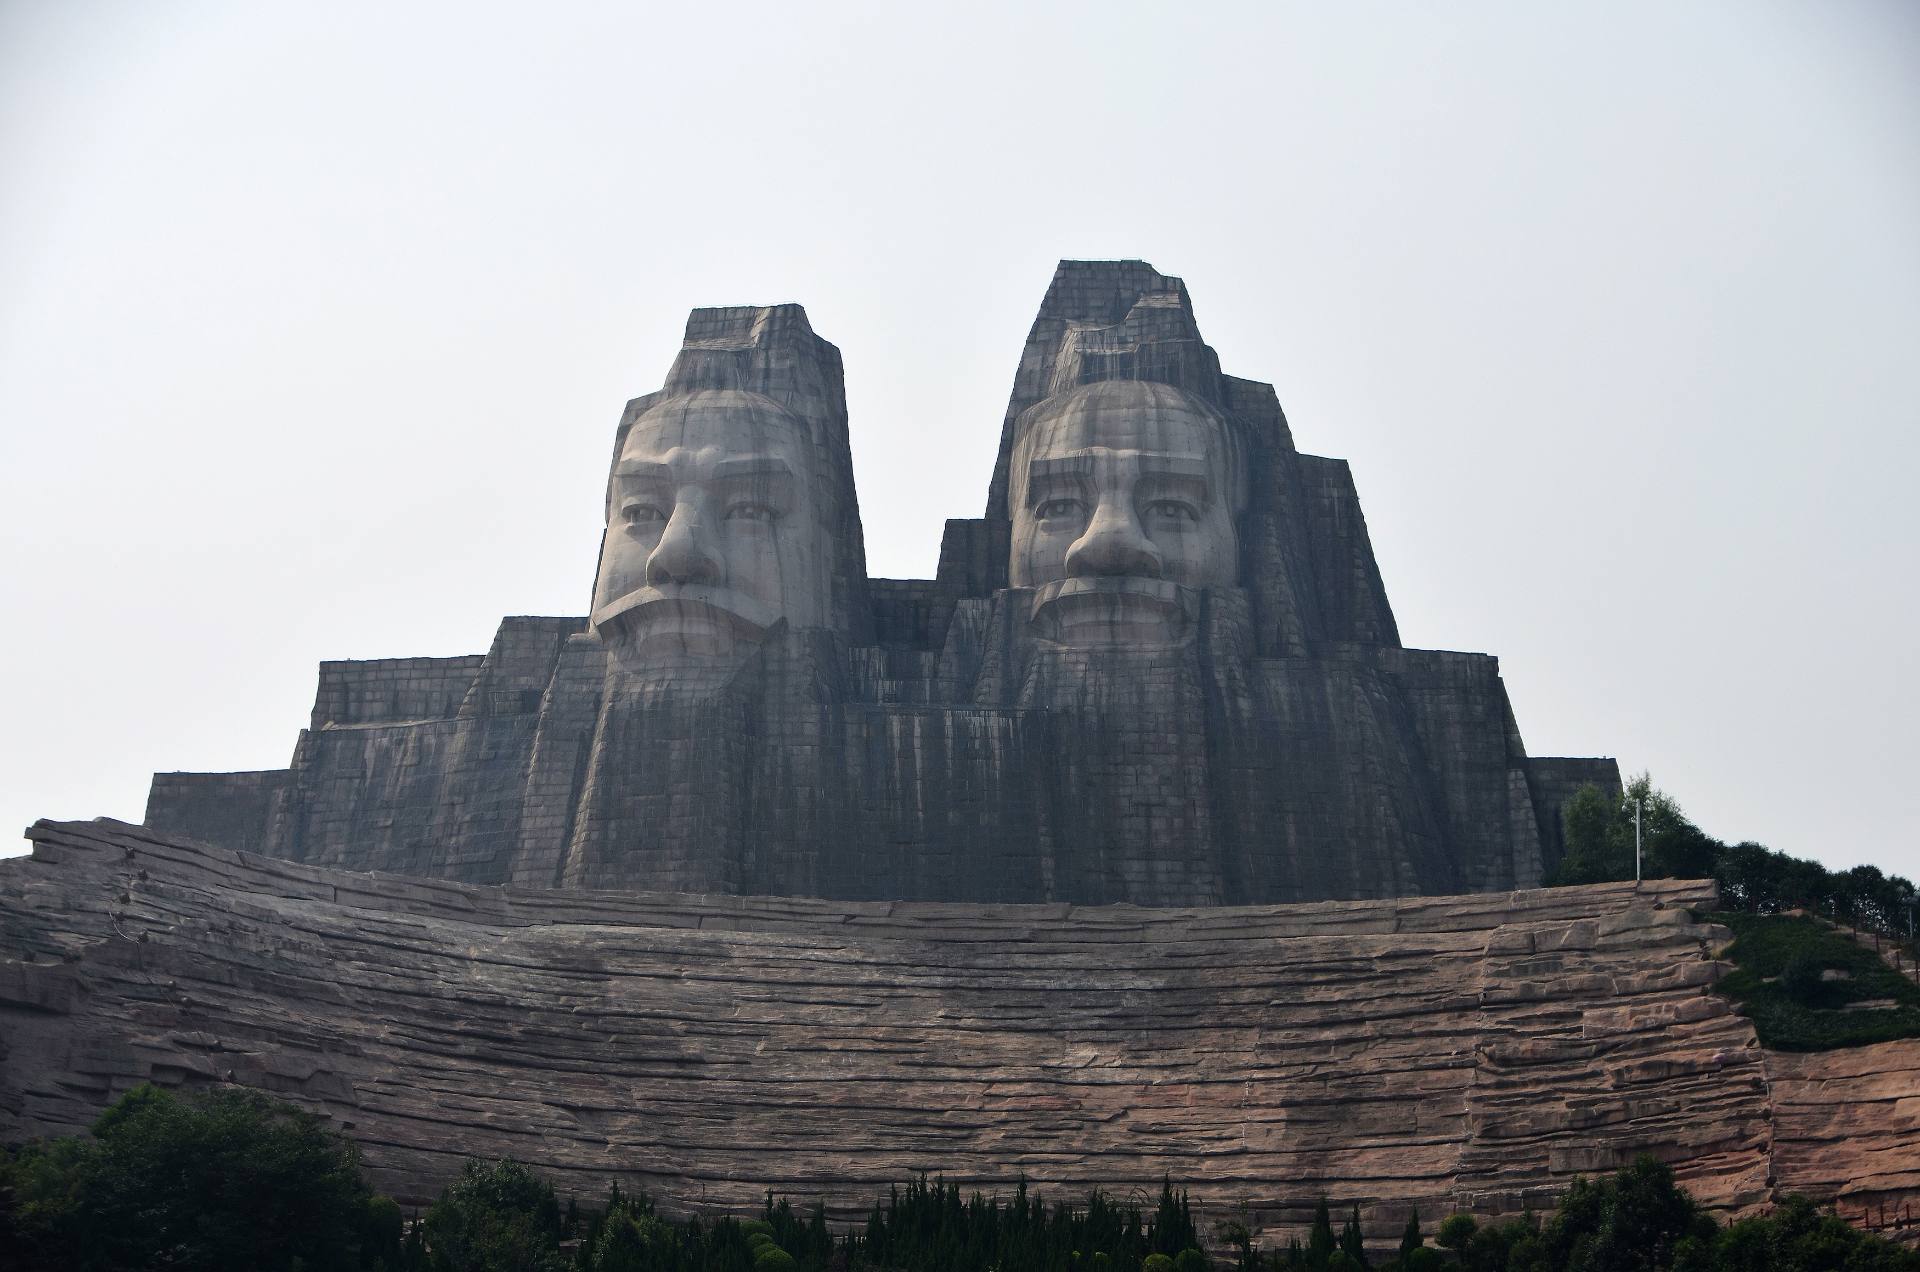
(1470, 1051)
(1847, 1128)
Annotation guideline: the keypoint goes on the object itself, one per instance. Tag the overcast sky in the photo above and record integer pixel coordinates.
(316, 321)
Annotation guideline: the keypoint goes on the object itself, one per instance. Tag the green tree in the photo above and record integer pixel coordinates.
(1235, 1233)
(1351, 1242)
(1456, 1231)
(1598, 837)
(1590, 845)
(1321, 1242)
(383, 1235)
(497, 1217)
(1631, 1221)
(1172, 1230)
(222, 1180)
(1490, 1248)
(1410, 1238)
(1796, 1237)
(631, 1240)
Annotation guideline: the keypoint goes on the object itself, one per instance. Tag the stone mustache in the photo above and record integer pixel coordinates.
(1161, 669)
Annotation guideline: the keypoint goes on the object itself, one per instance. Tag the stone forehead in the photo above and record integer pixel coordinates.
(1089, 404)
(717, 404)
(1117, 397)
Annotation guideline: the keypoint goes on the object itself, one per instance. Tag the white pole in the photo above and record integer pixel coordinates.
(1636, 842)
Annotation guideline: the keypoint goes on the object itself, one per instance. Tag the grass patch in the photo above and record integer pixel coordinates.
(1778, 983)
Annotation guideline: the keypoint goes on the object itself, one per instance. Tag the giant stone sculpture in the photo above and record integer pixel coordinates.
(1161, 669)
(1128, 492)
(712, 536)
(730, 507)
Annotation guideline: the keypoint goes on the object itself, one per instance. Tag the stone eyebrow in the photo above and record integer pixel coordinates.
(1181, 466)
(726, 469)
(1049, 474)
(1152, 464)
(751, 466)
(1049, 469)
(1176, 473)
(1183, 470)
(645, 468)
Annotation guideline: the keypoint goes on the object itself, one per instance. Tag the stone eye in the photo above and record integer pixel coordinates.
(1054, 508)
(750, 512)
(640, 514)
(1171, 510)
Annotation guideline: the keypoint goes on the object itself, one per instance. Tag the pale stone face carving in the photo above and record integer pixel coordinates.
(1123, 496)
(714, 531)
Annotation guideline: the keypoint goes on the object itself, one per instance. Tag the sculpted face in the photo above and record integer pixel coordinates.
(1124, 494)
(714, 530)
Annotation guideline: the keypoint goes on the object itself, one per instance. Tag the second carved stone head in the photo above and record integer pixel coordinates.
(1123, 478)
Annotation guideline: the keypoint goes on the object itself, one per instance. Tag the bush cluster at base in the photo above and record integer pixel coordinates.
(232, 1181)
(226, 1181)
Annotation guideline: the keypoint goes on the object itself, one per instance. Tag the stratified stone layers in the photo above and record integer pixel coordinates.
(1847, 1127)
(1470, 1051)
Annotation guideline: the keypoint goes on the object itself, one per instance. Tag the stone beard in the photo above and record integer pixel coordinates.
(1124, 495)
(716, 531)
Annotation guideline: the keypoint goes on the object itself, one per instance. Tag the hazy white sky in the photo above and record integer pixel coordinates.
(316, 321)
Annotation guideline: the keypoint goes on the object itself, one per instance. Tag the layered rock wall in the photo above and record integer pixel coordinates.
(1847, 1127)
(1471, 1051)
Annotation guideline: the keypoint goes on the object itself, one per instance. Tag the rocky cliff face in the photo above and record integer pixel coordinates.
(1469, 1051)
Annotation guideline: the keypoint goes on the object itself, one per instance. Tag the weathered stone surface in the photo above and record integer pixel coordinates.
(730, 507)
(1847, 1126)
(1162, 669)
(1470, 1051)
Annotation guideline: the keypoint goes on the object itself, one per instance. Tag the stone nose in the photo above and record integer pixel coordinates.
(686, 552)
(1113, 545)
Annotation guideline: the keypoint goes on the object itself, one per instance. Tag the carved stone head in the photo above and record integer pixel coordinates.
(1123, 496)
(730, 505)
(714, 530)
